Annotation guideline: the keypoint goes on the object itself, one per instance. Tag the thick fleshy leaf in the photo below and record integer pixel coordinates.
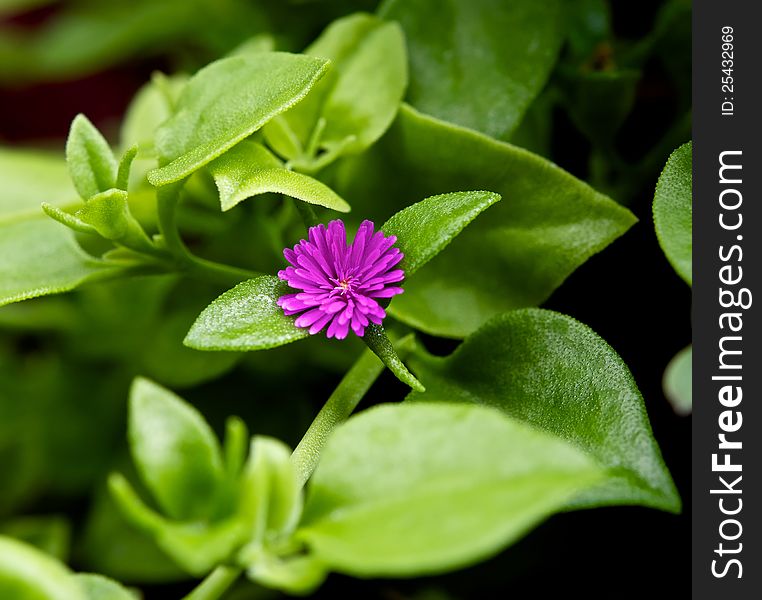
(678, 381)
(547, 224)
(40, 257)
(176, 453)
(226, 102)
(250, 169)
(246, 318)
(356, 101)
(425, 228)
(27, 573)
(673, 212)
(272, 494)
(556, 374)
(412, 489)
(52, 534)
(111, 545)
(98, 587)
(196, 546)
(31, 178)
(92, 165)
(478, 63)
(109, 214)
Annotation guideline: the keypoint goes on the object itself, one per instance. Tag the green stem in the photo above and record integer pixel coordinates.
(167, 197)
(376, 339)
(194, 266)
(212, 271)
(307, 213)
(215, 584)
(342, 402)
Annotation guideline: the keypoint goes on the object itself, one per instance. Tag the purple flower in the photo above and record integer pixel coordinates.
(341, 284)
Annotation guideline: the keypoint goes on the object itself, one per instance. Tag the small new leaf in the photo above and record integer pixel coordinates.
(176, 453)
(109, 214)
(352, 106)
(250, 169)
(92, 165)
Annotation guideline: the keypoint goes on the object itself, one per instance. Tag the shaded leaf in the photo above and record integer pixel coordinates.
(177, 455)
(51, 534)
(556, 374)
(546, 226)
(196, 546)
(478, 63)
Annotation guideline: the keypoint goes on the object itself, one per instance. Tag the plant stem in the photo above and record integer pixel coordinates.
(307, 213)
(167, 197)
(194, 266)
(209, 270)
(342, 402)
(215, 584)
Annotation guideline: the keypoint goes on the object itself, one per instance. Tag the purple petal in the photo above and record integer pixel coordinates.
(319, 324)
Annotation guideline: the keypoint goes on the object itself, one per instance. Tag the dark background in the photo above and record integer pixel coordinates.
(628, 294)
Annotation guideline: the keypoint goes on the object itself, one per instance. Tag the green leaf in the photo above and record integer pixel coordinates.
(112, 546)
(425, 228)
(72, 221)
(226, 102)
(272, 493)
(29, 574)
(125, 166)
(109, 213)
(406, 490)
(678, 384)
(92, 165)
(98, 587)
(673, 212)
(196, 546)
(355, 102)
(246, 318)
(176, 453)
(249, 169)
(478, 63)
(599, 101)
(31, 178)
(168, 361)
(547, 224)
(39, 257)
(52, 534)
(556, 374)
